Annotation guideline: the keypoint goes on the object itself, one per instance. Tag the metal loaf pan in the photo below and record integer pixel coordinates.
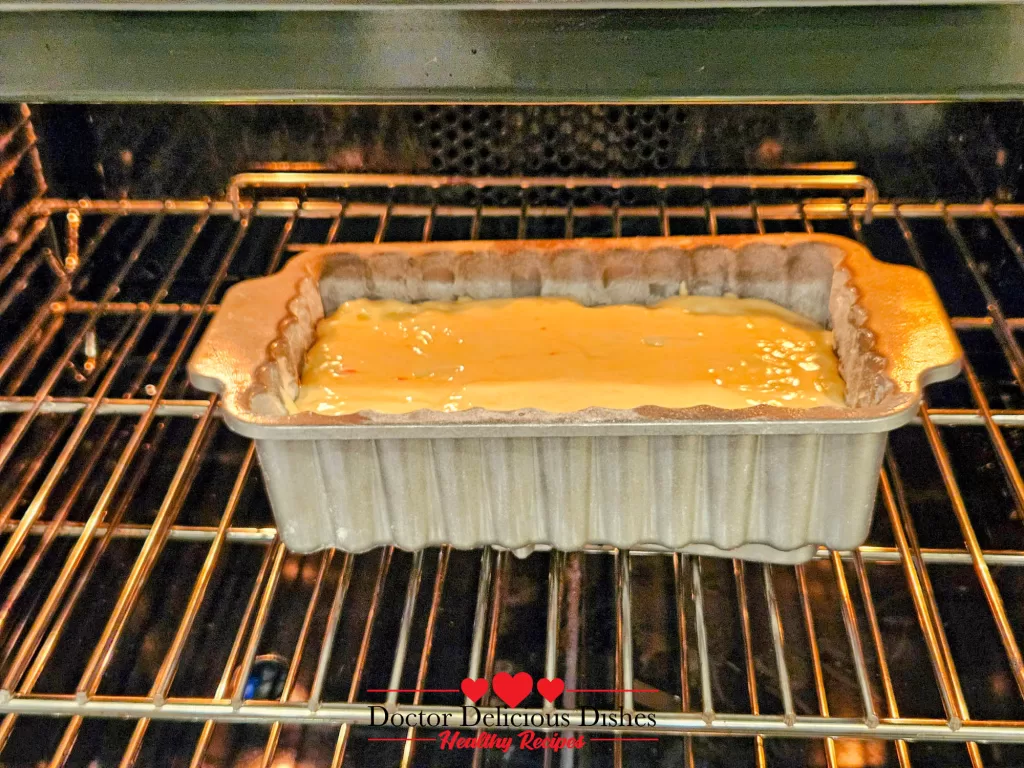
(764, 483)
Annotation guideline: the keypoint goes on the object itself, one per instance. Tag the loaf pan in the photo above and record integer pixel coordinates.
(764, 483)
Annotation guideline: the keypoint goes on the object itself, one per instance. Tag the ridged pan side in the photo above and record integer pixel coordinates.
(785, 493)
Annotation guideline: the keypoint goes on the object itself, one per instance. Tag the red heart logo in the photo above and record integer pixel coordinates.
(550, 689)
(512, 690)
(474, 689)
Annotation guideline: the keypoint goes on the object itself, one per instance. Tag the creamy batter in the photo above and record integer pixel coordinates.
(560, 356)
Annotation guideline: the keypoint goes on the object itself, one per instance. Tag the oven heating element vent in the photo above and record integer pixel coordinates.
(149, 615)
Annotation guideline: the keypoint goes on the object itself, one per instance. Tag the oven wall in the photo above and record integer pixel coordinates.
(953, 151)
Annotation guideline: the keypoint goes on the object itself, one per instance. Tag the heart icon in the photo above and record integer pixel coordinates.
(550, 689)
(474, 689)
(512, 690)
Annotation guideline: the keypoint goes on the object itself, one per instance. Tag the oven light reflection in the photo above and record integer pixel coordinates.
(856, 754)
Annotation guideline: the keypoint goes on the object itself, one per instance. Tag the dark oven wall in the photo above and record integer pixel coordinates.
(950, 151)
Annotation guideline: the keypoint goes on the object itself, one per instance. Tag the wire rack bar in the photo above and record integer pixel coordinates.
(364, 648)
(263, 536)
(892, 706)
(778, 642)
(739, 574)
(443, 557)
(812, 642)
(346, 181)
(703, 662)
(814, 209)
(669, 723)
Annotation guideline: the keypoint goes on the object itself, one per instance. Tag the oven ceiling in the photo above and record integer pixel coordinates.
(407, 54)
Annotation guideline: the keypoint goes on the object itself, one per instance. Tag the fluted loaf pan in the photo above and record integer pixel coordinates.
(765, 483)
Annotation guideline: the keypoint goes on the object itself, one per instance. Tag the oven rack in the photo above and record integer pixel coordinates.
(109, 497)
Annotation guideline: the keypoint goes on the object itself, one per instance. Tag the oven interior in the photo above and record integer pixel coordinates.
(151, 617)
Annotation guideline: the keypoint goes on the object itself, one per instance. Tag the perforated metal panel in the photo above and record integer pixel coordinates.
(919, 151)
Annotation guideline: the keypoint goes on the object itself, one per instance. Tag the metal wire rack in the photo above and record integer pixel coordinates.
(151, 614)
